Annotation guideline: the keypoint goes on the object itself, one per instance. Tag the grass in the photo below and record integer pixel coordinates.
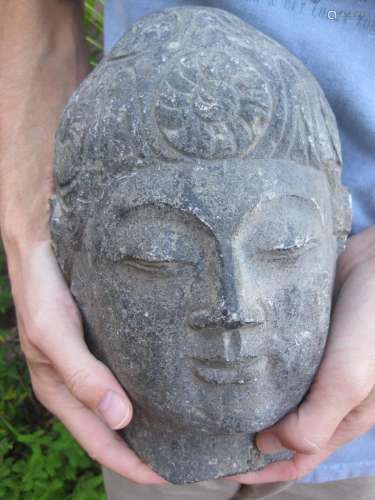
(94, 26)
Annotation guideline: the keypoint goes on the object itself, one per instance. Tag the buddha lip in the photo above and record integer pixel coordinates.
(224, 363)
(240, 371)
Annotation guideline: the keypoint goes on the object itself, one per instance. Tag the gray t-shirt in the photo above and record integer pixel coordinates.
(336, 41)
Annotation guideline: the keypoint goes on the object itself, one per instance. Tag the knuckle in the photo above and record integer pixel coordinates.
(299, 472)
(37, 329)
(295, 438)
(354, 386)
(95, 449)
(290, 472)
(293, 476)
(294, 469)
(358, 388)
(38, 391)
(312, 446)
(313, 440)
(78, 382)
(93, 454)
(361, 417)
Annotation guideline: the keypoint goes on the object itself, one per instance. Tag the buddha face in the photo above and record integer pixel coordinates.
(214, 284)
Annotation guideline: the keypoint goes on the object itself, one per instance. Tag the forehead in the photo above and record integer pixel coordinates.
(220, 194)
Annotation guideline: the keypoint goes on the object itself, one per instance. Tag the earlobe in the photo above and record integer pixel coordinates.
(55, 215)
(342, 217)
(57, 233)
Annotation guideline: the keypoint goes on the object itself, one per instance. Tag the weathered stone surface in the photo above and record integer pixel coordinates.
(198, 217)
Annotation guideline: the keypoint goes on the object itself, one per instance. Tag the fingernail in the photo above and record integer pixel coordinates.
(114, 410)
(268, 443)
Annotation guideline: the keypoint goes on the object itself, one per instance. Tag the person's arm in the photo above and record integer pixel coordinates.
(42, 60)
(340, 405)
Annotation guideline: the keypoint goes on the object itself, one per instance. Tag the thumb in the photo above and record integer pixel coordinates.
(92, 383)
(89, 380)
(308, 428)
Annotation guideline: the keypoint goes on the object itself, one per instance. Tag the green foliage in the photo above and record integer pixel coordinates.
(94, 25)
(39, 460)
(5, 296)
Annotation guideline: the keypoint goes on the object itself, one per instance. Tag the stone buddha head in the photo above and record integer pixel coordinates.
(198, 217)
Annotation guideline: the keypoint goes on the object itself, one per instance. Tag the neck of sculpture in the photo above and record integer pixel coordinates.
(186, 457)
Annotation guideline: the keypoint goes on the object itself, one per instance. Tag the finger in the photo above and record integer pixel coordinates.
(356, 423)
(280, 471)
(51, 323)
(344, 380)
(359, 421)
(309, 428)
(88, 380)
(285, 470)
(101, 443)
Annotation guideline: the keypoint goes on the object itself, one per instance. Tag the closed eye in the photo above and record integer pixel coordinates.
(155, 266)
(290, 251)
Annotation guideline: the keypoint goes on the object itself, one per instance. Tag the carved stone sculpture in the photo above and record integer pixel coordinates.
(198, 217)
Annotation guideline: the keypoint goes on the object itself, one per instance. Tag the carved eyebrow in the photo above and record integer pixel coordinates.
(126, 211)
(311, 202)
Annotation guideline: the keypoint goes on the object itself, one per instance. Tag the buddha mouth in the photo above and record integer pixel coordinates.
(220, 371)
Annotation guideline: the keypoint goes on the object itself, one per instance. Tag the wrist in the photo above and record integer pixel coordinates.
(19, 234)
(19, 240)
(21, 257)
(24, 199)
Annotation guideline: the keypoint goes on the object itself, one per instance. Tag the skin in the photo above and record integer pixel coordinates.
(42, 61)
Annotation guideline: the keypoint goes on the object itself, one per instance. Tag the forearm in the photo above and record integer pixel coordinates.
(42, 60)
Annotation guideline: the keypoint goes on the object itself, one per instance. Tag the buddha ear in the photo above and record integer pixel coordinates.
(60, 242)
(55, 221)
(342, 214)
(346, 218)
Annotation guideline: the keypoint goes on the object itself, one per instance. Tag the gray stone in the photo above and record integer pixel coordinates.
(198, 217)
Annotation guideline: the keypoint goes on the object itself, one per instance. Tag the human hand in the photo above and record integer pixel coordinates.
(340, 405)
(66, 377)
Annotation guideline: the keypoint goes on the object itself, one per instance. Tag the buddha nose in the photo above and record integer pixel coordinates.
(225, 318)
(232, 310)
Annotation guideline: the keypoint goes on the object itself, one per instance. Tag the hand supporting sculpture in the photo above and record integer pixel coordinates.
(66, 378)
